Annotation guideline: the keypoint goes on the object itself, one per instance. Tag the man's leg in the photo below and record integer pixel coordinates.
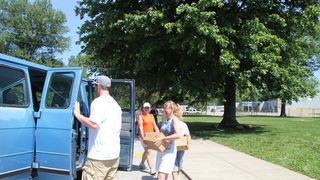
(88, 171)
(113, 167)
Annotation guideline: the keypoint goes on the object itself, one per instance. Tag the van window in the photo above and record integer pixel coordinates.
(13, 89)
(121, 93)
(58, 94)
(37, 79)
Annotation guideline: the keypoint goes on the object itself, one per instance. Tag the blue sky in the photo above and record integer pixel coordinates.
(317, 74)
(73, 22)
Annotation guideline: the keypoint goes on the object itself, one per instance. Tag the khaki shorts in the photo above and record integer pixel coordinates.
(100, 169)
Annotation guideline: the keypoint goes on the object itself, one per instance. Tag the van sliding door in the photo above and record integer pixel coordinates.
(16, 122)
(55, 137)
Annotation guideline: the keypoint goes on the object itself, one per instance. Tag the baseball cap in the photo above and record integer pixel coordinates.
(146, 104)
(103, 81)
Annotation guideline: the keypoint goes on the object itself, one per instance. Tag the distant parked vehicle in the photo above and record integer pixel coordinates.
(160, 111)
(192, 111)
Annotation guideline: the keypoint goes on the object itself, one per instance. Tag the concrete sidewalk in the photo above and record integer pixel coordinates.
(136, 173)
(208, 160)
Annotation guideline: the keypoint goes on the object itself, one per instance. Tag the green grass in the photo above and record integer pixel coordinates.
(293, 143)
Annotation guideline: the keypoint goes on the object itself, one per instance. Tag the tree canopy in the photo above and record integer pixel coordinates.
(32, 31)
(206, 48)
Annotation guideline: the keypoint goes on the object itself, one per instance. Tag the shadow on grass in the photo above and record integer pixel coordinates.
(207, 130)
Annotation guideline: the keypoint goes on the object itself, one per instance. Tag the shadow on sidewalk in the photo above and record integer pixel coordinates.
(207, 130)
(147, 177)
(136, 168)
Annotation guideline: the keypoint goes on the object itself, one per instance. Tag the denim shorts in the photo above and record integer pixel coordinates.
(178, 162)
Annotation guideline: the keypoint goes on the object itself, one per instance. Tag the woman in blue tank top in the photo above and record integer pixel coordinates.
(166, 159)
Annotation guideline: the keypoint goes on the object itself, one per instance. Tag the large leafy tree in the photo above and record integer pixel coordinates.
(83, 61)
(32, 31)
(206, 48)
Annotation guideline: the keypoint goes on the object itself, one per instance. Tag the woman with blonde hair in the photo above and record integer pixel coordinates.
(184, 130)
(166, 159)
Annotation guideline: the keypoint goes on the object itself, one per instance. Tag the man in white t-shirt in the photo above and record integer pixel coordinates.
(104, 133)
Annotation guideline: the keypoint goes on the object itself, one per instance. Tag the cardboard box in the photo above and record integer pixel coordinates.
(182, 144)
(151, 137)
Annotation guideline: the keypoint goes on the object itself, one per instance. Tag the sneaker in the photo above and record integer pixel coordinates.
(153, 172)
(142, 167)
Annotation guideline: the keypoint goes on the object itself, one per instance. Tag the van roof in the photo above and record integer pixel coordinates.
(18, 61)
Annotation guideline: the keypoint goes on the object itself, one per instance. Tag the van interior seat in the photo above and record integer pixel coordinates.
(59, 100)
(10, 98)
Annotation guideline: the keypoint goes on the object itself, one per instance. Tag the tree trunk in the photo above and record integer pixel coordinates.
(229, 116)
(283, 109)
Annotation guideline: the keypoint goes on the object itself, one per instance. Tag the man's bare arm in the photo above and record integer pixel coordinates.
(84, 120)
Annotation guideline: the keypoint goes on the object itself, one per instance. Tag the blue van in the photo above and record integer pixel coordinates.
(40, 137)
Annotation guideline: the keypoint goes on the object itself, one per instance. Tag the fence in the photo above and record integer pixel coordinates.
(303, 112)
(291, 111)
